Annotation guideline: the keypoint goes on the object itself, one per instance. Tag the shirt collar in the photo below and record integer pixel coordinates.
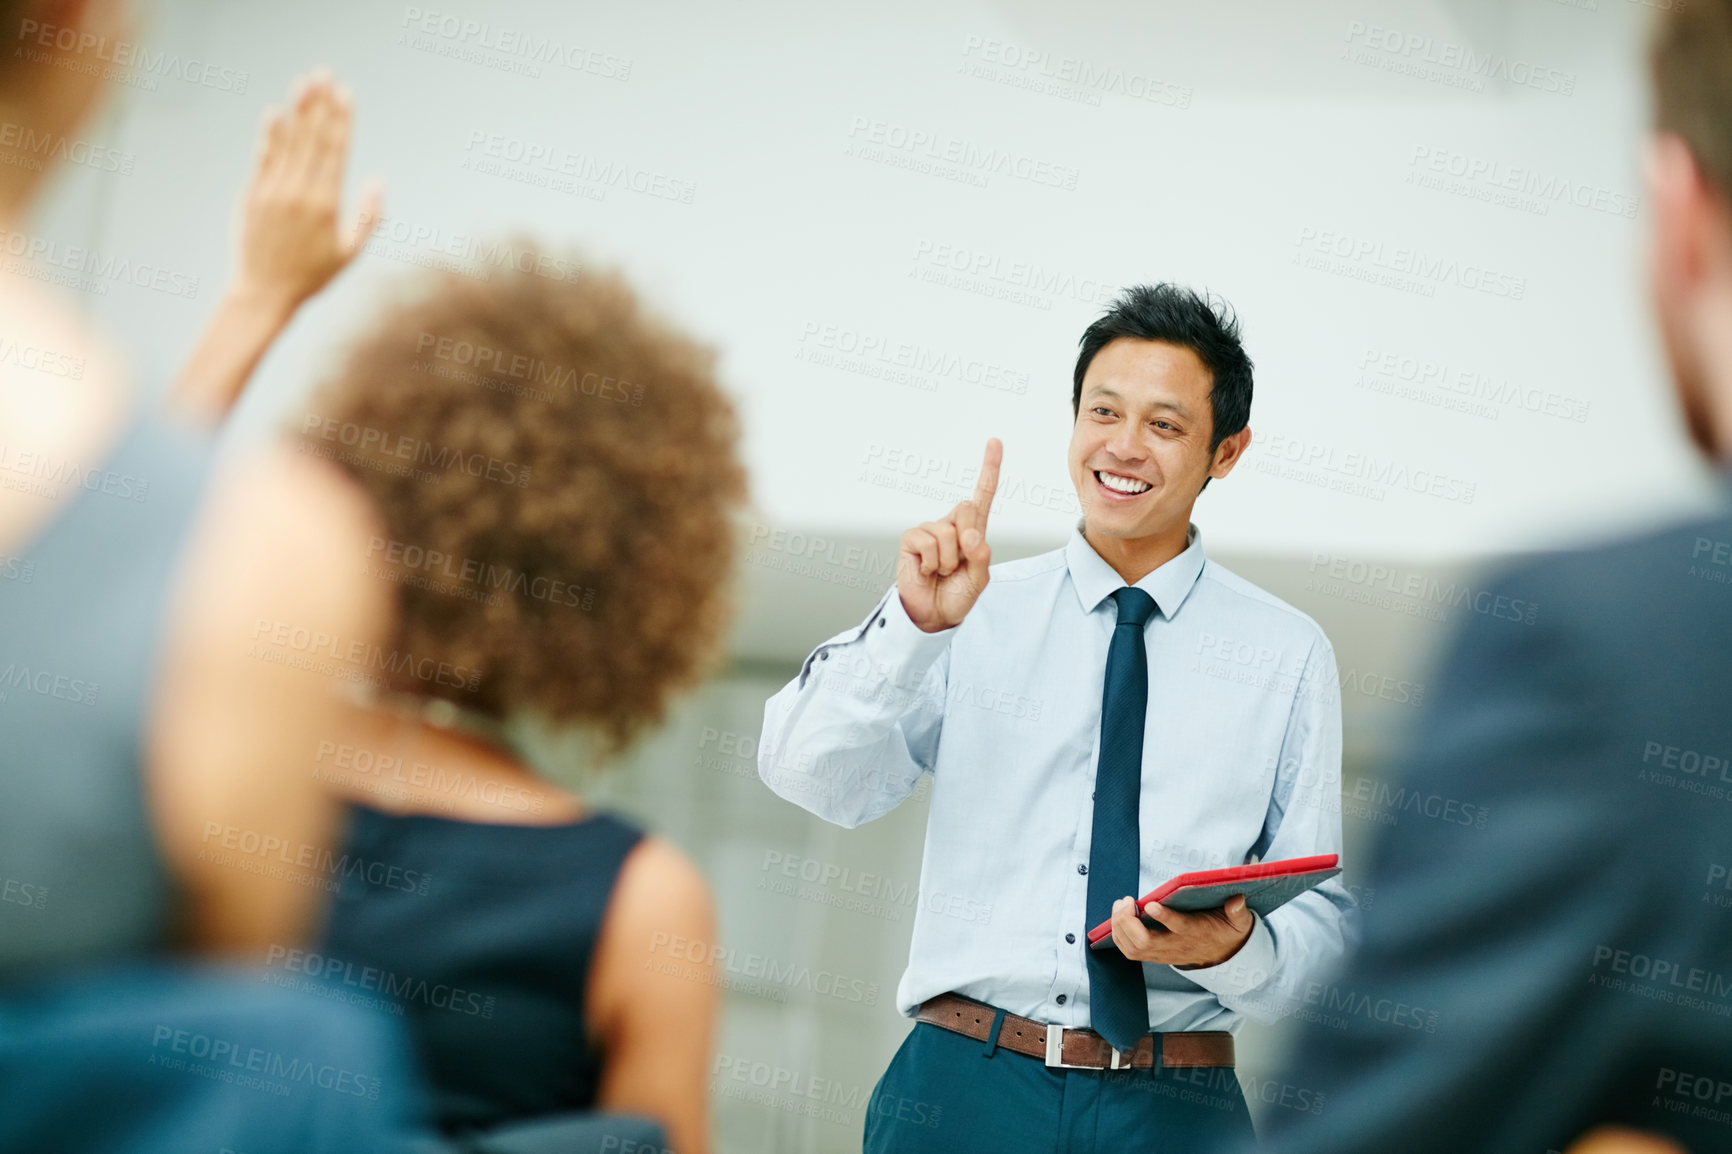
(1094, 580)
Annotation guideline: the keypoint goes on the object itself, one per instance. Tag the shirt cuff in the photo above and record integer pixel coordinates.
(1247, 969)
(895, 637)
(892, 641)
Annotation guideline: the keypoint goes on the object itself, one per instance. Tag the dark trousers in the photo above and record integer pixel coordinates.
(946, 1094)
(148, 1060)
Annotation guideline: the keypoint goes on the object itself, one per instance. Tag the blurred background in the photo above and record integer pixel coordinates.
(893, 220)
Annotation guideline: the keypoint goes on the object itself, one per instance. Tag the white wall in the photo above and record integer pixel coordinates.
(1267, 133)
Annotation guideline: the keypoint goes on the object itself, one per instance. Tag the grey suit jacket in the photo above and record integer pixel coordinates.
(1571, 962)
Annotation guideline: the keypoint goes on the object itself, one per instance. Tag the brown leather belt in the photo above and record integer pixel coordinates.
(1062, 1047)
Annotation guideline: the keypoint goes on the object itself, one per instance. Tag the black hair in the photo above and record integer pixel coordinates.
(1179, 316)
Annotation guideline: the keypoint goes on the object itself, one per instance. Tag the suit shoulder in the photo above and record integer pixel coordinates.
(1683, 568)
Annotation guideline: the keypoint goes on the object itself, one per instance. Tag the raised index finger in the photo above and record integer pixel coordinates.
(987, 487)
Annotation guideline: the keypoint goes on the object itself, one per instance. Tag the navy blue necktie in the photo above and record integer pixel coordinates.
(1118, 999)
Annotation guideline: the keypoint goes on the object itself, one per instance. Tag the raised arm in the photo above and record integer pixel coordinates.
(849, 737)
(278, 555)
(291, 244)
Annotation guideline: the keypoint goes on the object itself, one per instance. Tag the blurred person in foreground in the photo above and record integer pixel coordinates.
(1578, 951)
(128, 715)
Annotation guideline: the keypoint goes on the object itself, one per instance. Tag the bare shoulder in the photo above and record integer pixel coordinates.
(658, 874)
(297, 516)
(281, 544)
(660, 896)
(660, 927)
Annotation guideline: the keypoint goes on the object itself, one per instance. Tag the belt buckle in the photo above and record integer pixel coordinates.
(1055, 1049)
(1055, 1053)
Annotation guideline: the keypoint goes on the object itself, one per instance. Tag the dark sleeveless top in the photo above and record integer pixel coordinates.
(82, 610)
(483, 935)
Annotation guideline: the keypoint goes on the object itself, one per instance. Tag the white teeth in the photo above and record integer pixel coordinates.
(1127, 485)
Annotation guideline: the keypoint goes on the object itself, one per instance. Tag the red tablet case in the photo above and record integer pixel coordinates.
(1266, 885)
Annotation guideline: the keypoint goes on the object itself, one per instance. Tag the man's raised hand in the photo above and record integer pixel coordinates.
(942, 567)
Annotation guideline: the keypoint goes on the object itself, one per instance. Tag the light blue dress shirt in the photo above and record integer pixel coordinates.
(1241, 762)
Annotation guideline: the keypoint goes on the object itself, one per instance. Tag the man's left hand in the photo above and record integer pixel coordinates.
(1204, 938)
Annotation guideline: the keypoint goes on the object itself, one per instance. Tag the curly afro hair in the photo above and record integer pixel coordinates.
(558, 473)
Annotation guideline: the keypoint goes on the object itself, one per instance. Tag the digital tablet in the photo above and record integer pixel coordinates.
(1266, 885)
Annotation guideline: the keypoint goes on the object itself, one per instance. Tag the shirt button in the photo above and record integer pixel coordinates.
(881, 623)
(823, 655)
(1081, 868)
(1060, 999)
(1070, 938)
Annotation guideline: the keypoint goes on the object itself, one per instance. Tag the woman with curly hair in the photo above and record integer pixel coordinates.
(554, 472)
(537, 479)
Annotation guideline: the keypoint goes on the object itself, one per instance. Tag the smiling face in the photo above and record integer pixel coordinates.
(1139, 451)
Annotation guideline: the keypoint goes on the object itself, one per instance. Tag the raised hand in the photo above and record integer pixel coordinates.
(291, 244)
(942, 567)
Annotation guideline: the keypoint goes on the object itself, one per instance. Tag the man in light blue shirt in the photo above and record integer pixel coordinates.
(1210, 707)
